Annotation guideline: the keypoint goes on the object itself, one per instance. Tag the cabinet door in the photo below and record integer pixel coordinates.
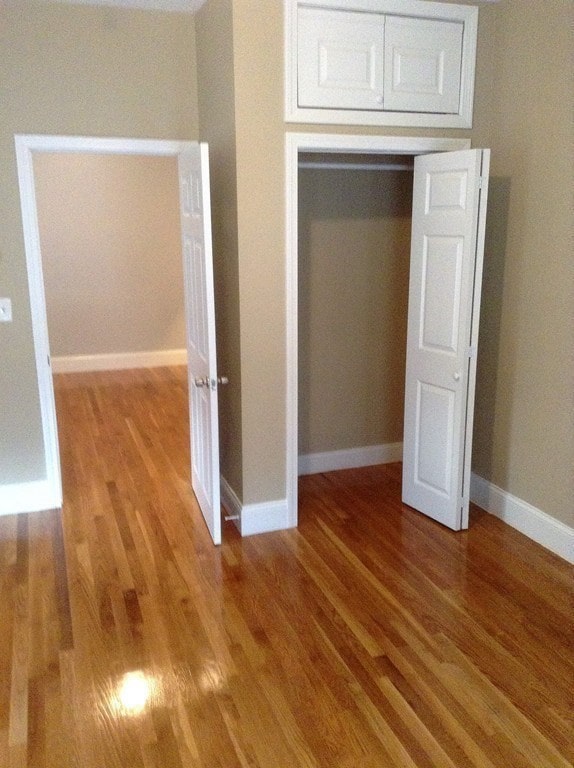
(422, 65)
(340, 59)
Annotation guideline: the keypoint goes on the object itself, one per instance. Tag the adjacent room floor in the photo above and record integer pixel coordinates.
(369, 637)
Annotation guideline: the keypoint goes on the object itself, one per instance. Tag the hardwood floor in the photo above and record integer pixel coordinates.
(368, 637)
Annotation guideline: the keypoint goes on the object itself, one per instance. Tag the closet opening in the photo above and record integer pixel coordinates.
(354, 214)
(348, 221)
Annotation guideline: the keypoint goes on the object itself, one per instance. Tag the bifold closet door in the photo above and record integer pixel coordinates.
(449, 210)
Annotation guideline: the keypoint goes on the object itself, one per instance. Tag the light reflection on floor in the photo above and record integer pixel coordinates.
(137, 689)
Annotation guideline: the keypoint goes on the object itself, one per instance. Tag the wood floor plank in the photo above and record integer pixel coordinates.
(368, 637)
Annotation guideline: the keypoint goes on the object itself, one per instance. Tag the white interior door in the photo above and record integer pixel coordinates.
(195, 205)
(449, 210)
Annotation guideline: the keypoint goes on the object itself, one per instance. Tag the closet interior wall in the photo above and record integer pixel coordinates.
(354, 251)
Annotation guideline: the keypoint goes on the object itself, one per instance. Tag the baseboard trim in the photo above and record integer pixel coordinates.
(118, 361)
(531, 521)
(367, 456)
(252, 519)
(35, 496)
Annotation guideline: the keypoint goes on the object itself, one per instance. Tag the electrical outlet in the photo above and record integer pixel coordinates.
(5, 311)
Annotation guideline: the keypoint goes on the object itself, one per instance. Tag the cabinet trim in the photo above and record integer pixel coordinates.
(467, 15)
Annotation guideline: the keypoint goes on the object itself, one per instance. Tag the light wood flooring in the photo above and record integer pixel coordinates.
(370, 637)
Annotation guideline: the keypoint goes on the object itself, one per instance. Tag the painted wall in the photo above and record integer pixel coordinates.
(111, 252)
(354, 253)
(240, 73)
(258, 47)
(524, 437)
(216, 98)
(78, 71)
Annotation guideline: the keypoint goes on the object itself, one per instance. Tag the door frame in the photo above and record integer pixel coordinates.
(296, 143)
(26, 145)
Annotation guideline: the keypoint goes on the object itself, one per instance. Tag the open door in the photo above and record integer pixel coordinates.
(195, 205)
(449, 211)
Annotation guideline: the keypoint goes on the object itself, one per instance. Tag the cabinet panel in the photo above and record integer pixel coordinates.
(422, 65)
(340, 59)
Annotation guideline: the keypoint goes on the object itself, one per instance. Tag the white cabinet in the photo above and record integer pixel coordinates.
(380, 62)
(340, 59)
(422, 65)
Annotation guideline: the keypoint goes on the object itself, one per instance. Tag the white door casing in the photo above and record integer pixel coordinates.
(49, 494)
(449, 209)
(195, 207)
(49, 490)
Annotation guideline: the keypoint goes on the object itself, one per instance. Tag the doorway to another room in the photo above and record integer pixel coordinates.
(190, 197)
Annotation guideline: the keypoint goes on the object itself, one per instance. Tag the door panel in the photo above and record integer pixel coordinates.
(422, 65)
(434, 436)
(195, 206)
(442, 272)
(449, 206)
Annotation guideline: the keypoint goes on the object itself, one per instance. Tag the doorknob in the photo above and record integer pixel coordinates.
(222, 380)
(201, 382)
(456, 376)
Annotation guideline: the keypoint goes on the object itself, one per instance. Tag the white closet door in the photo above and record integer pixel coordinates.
(449, 209)
(195, 208)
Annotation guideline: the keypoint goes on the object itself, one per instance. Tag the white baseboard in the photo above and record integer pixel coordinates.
(255, 518)
(120, 360)
(329, 461)
(531, 521)
(35, 496)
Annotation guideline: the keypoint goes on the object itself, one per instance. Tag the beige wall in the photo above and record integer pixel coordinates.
(258, 46)
(216, 97)
(111, 252)
(354, 243)
(524, 437)
(240, 73)
(77, 71)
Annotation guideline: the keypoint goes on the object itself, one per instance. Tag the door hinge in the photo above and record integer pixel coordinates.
(471, 352)
(481, 180)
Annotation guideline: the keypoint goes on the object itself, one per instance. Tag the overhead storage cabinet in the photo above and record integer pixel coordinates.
(380, 62)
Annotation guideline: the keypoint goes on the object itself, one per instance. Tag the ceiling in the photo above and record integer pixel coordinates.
(184, 6)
